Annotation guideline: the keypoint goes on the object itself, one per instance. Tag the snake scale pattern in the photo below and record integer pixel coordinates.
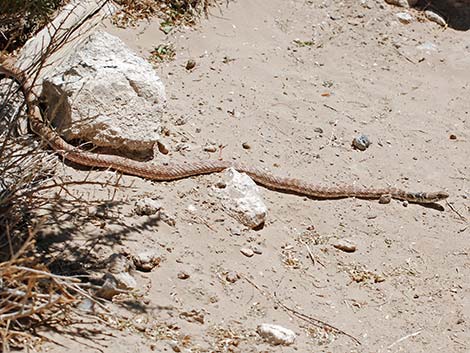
(175, 171)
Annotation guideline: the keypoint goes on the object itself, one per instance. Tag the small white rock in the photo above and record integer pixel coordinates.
(241, 199)
(276, 335)
(210, 148)
(345, 245)
(146, 261)
(432, 16)
(402, 3)
(247, 252)
(404, 17)
(147, 207)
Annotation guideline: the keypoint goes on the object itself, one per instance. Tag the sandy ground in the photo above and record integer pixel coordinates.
(360, 71)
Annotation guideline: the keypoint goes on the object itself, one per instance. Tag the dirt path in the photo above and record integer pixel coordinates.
(297, 81)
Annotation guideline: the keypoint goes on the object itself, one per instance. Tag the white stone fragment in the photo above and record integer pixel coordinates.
(404, 17)
(147, 260)
(241, 199)
(402, 3)
(276, 335)
(147, 207)
(432, 16)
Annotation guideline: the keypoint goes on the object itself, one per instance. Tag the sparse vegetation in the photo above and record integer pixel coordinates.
(20, 19)
(172, 12)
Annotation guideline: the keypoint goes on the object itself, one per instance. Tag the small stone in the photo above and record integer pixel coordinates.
(361, 142)
(405, 203)
(257, 250)
(453, 137)
(385, 198)
(276, 335)
(247, 252)
(210, 148)
(345, 245)
(318, 130)
(246, 146)
(183, 275)
(174, 346)
(190, 64)
(147, 207)
(162, 148)
(86, 305)
(432, 16)
(402, 3)
(241, 199)
(146, 261)
(404, 17)
(235, 231)
(232, 277)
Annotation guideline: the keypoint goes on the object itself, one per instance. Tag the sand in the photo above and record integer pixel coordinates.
(296, 81)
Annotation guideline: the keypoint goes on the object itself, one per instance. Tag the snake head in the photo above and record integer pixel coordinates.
(441, 195)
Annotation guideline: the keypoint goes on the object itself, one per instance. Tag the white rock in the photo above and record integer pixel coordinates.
(147, 260)
(345, 245)
(247, 252)
(276, 334)
(432, 16)
(105, 94)
(404, 17)
(241, 199)
(147, 207)
(402, 3)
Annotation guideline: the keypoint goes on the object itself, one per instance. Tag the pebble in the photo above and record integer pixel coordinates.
(247, 252)
(402, 3)
(276, 334)
(386, 198)
(147, 207)
(361, 142)
(183, 275)
(432, 16)
(146, 261)
(246, 146)
(235, 231)
(453, 137)
(318, 130)
(345, 245)
(232, 277)
(242, 200)
(210, 148)
(190, 64)
(257, 250)
(404, 17)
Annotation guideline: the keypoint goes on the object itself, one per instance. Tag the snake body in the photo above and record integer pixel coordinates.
(173, 171)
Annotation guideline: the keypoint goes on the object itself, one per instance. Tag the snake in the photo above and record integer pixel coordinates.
(179, 170)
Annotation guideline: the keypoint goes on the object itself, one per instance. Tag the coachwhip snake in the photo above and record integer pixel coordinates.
(174, 171)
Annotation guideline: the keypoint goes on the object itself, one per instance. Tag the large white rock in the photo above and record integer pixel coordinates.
(276, 334)
(241, 199)
(107, 95)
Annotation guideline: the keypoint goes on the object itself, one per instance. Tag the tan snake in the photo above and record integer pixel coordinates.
(174, 171)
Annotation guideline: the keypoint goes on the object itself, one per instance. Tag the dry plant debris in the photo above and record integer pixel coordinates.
(173, 12)
(20, 19)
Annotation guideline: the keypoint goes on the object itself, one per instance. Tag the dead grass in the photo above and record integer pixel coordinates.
(172, 12)
(20, 19)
